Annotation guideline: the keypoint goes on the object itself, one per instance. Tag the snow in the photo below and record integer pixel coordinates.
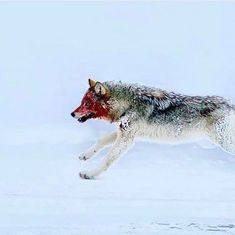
(48, 52)
(163, 189)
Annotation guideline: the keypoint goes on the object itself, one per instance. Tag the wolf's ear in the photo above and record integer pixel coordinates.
(91, 83)
(101, 90)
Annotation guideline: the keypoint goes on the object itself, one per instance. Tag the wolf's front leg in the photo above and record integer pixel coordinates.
(109, 139)
(123, 142)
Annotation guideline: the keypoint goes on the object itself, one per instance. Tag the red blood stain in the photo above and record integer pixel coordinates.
(93, 104)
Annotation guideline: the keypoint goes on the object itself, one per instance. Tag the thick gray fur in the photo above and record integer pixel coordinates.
(142, 111)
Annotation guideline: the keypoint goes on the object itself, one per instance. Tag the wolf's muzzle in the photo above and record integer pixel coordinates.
(84, 117)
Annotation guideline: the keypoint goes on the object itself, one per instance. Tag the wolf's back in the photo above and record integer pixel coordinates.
(207, 105)
(162, 102)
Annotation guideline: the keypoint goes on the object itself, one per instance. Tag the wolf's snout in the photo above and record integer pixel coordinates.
(73, 114)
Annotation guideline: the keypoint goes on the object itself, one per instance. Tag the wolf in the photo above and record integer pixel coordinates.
(148, 112)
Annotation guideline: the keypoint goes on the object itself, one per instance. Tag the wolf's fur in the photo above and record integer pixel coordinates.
(141, 111)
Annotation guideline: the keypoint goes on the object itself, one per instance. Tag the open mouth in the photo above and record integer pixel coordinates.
(86, 117)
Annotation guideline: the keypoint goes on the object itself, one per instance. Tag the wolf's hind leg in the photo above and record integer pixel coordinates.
(224, 134)
(109, 139)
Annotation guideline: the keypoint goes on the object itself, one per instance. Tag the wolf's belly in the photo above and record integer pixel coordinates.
(168, 133)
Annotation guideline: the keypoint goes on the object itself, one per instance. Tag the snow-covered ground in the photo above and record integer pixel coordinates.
(48, 50)
(154, 189)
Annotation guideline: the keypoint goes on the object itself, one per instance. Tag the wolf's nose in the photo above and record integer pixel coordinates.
(72, 114)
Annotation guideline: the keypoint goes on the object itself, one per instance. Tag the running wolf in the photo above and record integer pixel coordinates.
(141, 111)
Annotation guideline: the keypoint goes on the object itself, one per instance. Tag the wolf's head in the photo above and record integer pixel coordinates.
(94, 103)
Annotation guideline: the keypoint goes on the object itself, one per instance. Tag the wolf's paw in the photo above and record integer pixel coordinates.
(83, 157)
(86, 175)
(86, 156)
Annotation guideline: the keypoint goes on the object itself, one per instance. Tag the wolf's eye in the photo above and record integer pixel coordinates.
(87, 104)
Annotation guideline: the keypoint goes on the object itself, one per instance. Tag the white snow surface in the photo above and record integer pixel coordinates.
(153, 189)
(48, 50)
